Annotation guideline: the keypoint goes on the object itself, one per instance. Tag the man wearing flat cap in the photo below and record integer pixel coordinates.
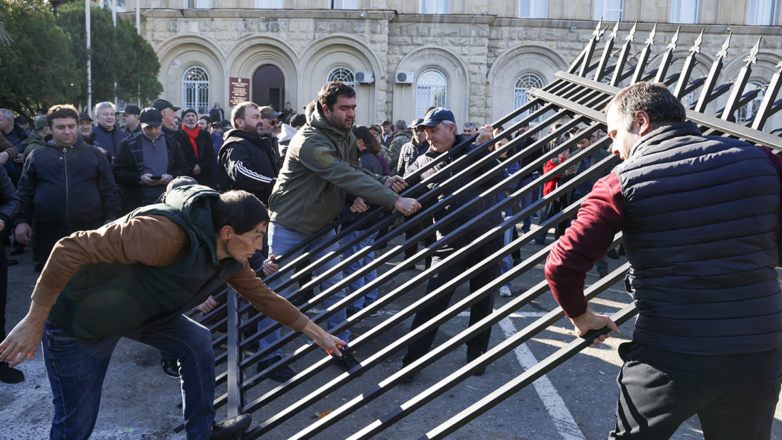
(132, 124)
(197, 148)
(147, 161)
(168, 112)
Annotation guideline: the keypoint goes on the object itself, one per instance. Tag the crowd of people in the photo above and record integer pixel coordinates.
(135, 218)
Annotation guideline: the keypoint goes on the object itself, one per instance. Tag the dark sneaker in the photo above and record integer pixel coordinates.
(232, 428)
(281, 375)
(602, 273)
(170, 367)
(10, 375)
(471, 356)
(17, 250)
(612, 254)
(347, 363)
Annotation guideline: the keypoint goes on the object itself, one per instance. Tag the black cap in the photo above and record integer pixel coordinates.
(83, 116)
(416, 122)
(21, 120)
(132, 110)
(162, 104)
(386, 122)
(150, 116)
(437, 116)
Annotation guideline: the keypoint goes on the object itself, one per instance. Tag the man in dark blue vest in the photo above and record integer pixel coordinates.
(701, 221)
(133, 279)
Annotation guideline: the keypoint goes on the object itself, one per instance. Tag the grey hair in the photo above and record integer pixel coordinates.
(470, 125)
(7, 113)
(655, 99)
(448, 123)
(104, 104)
(401, 124)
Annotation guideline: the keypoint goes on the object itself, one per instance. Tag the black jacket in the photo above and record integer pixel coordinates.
(248, 162)
(206, 155)
(128, 167)
(10, 202)
(480, 227)
(217, 115)
(68, 186)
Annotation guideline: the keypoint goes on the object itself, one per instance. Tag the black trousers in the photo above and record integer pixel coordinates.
(428, 240)
(48, 234)
(478, 311)
(734, 396)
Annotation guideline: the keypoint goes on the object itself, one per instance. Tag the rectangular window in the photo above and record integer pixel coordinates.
(435, 6)
(533, 8)
(608, 10)
(198, 4)
(109, 4)
(344, 4)
(762, 12)
(268, 4)
(684, 11)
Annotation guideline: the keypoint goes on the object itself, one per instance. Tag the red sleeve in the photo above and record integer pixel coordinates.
(587, 239)
(776, 160)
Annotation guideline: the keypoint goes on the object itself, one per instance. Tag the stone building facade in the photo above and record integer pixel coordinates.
(477, 57)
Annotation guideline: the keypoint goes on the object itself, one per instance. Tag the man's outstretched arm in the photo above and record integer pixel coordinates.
(586, 241)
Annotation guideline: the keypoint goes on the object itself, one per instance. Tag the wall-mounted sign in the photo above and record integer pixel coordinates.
(239, 90)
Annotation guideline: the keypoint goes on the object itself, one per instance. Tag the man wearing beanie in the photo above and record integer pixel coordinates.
(197, 148)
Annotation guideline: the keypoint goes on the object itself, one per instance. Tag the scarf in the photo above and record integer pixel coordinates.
(192, 135)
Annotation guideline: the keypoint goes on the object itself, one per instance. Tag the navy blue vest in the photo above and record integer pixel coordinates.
(701, 230)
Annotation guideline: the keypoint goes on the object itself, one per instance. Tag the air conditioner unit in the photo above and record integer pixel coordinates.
(365, 77)
(405, 77)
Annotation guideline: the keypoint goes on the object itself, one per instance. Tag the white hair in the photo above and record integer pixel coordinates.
(7, 113)
(104, 104)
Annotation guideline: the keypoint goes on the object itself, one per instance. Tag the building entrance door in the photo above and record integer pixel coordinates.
(268, 87)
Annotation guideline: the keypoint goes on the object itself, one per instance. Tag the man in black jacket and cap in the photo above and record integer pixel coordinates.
(440, 127)
(66, 186)
(132, 124)
(146, 162)
(168, 112)
(197, 148)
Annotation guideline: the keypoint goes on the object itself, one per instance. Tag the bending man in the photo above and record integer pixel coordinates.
(134, 278)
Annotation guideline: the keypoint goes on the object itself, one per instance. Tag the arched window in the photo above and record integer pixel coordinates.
(520, 97)
(195, 90)
(343, 74)
(431, 89)
(748, 111)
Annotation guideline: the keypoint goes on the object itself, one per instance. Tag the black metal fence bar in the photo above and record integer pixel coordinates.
(745, 133)
(464, 372)
(525, 379)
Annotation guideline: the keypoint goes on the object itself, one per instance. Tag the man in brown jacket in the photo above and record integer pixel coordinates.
(134, 278)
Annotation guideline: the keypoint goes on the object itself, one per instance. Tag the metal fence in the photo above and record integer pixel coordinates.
(576, 97)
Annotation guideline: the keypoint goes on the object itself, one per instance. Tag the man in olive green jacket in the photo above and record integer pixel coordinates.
(321, 167)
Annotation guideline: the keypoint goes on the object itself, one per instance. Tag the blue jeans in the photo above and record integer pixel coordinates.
(77, 367)
(281, 240)
(507, 261)
(371, 296)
